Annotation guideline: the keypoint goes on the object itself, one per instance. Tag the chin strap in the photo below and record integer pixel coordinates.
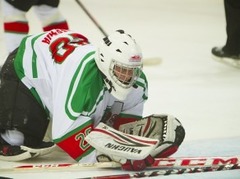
(108, 84)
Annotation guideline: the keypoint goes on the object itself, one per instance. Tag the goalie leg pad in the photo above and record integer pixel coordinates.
(166, 128)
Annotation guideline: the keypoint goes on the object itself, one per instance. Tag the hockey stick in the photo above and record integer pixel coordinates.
(159, 163)
(168, 172)
(91, 17)
(147, 61)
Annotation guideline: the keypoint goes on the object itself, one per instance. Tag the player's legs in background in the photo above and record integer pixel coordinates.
(230, 52)
(50, 15)
(15, 23)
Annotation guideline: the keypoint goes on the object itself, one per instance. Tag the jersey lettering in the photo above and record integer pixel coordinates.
(47, 39)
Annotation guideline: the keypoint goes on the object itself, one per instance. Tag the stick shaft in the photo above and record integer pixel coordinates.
(91, 17)
(146, 62)
(159, 163)
(169, 172)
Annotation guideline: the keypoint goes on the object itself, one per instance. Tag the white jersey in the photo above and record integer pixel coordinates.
(60, 70)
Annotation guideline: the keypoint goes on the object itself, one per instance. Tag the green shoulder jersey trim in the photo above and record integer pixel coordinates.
(18, 62)
(142, 81)
(86, 88)
(18, 65)
(34, 58)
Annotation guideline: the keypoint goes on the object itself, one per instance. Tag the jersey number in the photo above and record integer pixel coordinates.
(81, 137)
(63, 46)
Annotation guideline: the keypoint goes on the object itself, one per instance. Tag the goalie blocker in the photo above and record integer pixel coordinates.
(166, 129)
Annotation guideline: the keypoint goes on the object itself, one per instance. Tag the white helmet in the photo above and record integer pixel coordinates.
(120, 60)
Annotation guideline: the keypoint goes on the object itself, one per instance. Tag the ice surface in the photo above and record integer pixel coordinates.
(202, 93)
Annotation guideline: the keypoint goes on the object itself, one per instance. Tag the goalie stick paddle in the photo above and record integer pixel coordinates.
(184, 162)
(163, 172)
(146, 62)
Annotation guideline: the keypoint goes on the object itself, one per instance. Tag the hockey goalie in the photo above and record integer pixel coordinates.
(94, 97)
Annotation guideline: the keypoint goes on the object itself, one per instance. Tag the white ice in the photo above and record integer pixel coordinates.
(202, 93)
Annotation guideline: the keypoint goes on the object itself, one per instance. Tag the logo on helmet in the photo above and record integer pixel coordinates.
(135, 58)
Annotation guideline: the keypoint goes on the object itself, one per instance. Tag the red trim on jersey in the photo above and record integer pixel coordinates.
(75, 145)
(16, 27)
(59, 25)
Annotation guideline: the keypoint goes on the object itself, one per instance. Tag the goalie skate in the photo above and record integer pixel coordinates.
(19, 153)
